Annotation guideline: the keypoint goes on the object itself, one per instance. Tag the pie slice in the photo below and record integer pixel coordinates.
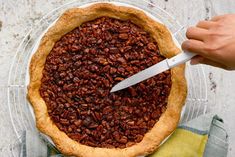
(81, 58)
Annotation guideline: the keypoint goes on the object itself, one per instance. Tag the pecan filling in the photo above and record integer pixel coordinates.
(82, 68)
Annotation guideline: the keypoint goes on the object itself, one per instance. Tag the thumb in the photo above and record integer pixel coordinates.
(202, 60)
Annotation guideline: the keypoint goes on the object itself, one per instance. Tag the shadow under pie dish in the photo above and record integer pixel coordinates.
(80, 58)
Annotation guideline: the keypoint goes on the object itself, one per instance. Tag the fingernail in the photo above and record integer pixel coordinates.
(185, 45)
(194, 61)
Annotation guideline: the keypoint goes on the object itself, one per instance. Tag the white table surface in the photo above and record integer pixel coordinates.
(17, 17)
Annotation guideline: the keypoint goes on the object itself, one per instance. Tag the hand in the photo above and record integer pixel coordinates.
(213, 41)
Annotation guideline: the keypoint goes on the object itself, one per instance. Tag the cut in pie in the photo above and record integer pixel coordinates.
(80, 58)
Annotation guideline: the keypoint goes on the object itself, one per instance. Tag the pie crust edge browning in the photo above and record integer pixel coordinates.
(73, 18)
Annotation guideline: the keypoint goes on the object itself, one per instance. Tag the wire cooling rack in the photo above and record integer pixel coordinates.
(19, 107)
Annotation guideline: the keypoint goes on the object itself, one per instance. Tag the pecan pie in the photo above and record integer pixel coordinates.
(78, 61)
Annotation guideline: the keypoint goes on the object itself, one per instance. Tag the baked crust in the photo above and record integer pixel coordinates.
(68, 21)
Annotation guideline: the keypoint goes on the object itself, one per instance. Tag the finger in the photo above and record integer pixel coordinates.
(196, 33)
(217, 18)
(197, 59)
(203, 60)
(195, 46)
(205, 24)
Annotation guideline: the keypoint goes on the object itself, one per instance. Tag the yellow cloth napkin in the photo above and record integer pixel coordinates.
(204, 136)
(183, 143)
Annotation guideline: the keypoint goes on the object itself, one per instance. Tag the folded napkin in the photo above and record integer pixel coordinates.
(204, 136)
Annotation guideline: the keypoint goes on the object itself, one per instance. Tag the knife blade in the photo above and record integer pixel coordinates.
(153, 70)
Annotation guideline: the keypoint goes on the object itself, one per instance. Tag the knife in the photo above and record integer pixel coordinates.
(153, 70)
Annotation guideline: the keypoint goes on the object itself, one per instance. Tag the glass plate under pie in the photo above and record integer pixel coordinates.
(86, 52)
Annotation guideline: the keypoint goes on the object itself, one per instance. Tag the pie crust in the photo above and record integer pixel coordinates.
(68, 21)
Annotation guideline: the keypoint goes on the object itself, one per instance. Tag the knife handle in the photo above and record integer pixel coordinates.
(180, 59)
